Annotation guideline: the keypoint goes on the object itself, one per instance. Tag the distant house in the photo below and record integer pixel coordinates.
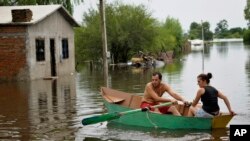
(36, 42)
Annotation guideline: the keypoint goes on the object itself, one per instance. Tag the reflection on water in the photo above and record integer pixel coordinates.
(14, 123)
(118, 132)
(161, 134)
(247, 67)
(40, 109)
(53, 109)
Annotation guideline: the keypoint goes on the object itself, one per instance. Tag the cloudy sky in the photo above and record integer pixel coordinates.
(186, 11)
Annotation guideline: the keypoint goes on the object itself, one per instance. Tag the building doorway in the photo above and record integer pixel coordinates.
(52, 57)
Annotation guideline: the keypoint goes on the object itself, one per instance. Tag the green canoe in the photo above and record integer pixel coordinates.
(118, 101)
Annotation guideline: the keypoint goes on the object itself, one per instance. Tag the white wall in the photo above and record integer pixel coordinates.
(56, 27)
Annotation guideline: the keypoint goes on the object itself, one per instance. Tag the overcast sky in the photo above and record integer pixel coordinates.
(186, 11)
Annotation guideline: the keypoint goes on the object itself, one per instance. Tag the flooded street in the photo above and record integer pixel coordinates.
(53, 109)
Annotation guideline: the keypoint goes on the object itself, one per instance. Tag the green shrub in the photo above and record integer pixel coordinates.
(246, 37)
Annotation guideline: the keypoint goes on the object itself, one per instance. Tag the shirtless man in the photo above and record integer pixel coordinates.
(153, 95)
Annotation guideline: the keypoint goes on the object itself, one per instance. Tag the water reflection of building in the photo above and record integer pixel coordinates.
(52, 103)
(38, 110)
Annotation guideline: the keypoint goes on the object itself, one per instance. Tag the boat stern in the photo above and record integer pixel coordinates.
(221, 121)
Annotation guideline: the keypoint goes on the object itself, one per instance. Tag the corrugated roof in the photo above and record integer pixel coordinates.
(39, 12)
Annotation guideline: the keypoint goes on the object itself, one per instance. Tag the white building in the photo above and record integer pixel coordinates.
(36, 42)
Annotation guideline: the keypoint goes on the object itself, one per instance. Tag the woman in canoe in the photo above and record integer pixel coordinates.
(153, 95)
(209, 97)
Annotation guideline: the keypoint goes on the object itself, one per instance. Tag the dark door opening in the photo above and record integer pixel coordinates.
(52, 57)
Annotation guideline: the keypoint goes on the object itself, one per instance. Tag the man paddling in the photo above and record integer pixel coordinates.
(153, 95)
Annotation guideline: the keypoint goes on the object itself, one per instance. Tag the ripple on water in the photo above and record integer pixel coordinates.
(224, 138)
(10, 132)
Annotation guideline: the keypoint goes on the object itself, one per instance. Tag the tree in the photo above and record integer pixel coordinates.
(194, 25)
(68, 4)
(221, 31)
(247, 12)
(130, 29)
(246, 37)
(195, 31)
(170, 35)
(236, 32)
(88, 38)
(164, 41)
(174, 28)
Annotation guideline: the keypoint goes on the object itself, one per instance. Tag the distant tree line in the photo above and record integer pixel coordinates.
(221, 31)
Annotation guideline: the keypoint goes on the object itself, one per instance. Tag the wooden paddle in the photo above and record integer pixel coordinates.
(111, 116)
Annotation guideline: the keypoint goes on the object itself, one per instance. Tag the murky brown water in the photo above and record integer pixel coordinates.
(53, 110)
(41, 109)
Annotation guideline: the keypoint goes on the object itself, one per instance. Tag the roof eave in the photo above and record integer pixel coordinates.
(68, 17)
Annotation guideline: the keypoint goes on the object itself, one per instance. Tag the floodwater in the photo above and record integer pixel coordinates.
(53, 109)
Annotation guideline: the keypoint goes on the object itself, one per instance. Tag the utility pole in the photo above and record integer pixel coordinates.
(104, 42)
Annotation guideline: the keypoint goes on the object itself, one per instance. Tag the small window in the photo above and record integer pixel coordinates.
(40, 51)
(65, 49)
